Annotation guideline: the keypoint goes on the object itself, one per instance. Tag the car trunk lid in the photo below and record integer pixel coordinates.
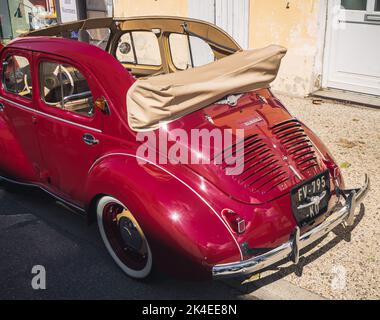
(275, 152)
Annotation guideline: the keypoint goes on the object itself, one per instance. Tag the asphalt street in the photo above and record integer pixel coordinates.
(36, 230)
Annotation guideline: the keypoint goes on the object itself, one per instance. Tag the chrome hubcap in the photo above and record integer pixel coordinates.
(125, 236)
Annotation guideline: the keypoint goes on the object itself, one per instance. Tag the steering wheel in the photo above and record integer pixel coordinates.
(67, 81)
(26, 89)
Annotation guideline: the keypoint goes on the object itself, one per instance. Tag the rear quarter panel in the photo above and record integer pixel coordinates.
(186, 237)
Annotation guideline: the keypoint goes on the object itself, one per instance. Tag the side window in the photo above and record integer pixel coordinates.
(189, 51)
(16, 76)
(179, 48)
(201, 52)
(99, 37)
(139, 47)
(63, 86)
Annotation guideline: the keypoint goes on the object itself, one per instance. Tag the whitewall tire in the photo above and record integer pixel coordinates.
(124, 238)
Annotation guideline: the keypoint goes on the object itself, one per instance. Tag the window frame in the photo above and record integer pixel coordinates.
(30, 61)
(376, 9)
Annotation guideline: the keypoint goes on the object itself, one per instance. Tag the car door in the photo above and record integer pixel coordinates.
(19, 148)
(69, 126)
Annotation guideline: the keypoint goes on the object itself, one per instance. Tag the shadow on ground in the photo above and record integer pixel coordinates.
(35, 230)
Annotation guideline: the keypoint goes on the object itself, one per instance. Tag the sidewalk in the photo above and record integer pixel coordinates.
(346, 267)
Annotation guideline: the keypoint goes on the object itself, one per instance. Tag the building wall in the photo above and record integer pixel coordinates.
(127, 8)
(5, 22)
(296, 24)
(299, 26)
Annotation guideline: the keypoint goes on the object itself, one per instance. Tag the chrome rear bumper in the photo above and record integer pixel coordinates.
(291, 249)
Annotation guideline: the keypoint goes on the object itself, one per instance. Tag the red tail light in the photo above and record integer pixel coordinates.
(236, 222)
(334, 170)
(331, 166)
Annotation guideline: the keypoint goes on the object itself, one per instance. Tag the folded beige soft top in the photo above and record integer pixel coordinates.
(168, 97)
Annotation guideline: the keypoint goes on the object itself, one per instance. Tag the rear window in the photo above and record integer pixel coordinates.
(16, 76)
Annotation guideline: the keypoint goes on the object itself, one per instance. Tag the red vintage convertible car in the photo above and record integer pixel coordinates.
(78, 101)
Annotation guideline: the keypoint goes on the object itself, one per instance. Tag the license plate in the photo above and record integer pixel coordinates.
(311, 198)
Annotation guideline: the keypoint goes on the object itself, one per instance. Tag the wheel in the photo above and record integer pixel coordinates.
(124, 238)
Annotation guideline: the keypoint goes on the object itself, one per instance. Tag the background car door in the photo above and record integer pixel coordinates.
(20, 156)
(69, 126)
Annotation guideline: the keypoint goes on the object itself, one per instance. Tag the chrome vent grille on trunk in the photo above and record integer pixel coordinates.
(297, 144)
(262, 169)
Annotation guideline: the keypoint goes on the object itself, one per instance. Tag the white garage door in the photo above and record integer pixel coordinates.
(353, 46)
(231, 15)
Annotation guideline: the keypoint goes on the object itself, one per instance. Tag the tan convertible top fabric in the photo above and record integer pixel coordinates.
(168, 97)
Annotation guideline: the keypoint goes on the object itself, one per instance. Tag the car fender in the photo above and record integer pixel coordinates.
(326, 154)
(181, 226)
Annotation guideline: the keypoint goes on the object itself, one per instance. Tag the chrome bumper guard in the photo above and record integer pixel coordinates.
(291, 249)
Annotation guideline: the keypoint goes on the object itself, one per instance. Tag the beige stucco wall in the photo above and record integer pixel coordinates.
(127, 8)
(299, 29)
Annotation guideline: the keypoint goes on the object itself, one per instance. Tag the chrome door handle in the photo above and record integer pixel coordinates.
(89, 139)
(2, 107)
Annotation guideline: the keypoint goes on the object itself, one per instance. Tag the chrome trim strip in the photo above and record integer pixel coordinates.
(295, 172)
(291, 249)
(181, 181)
(31, 185)
(50, 116)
